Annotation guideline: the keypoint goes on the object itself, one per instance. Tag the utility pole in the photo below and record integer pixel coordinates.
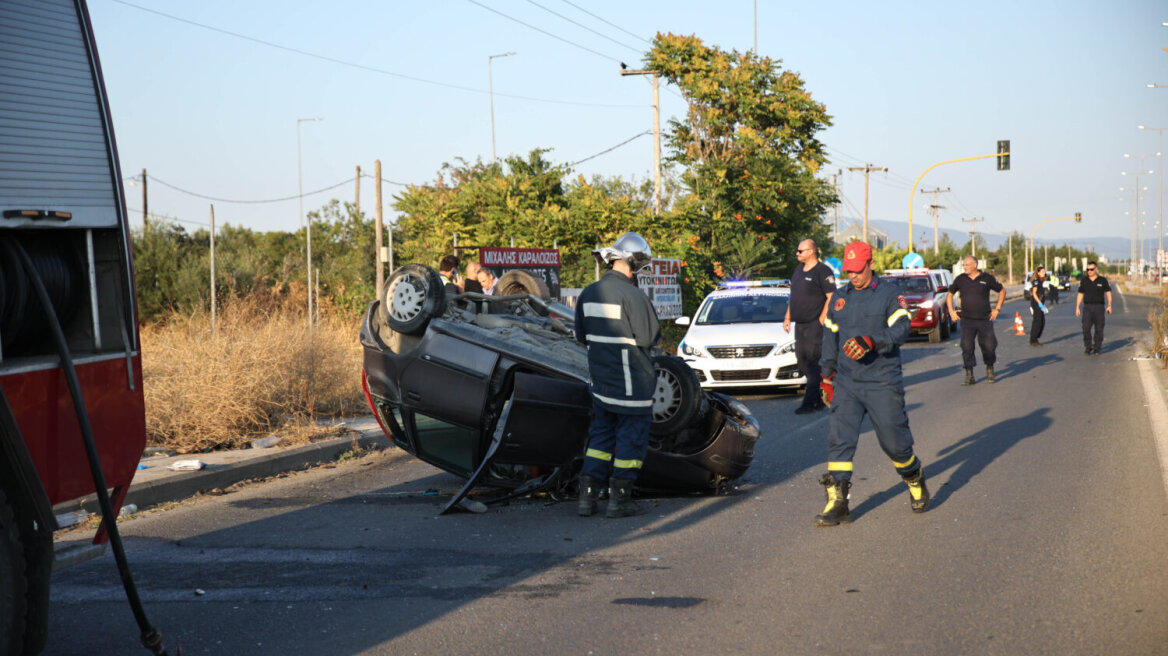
(973, 234)
(936, 216)
(144, 200)
(212, 272)
(867, 169)
(835, 206)
(357, 193)
(656, 135)
(377, 227)
(1010, 258)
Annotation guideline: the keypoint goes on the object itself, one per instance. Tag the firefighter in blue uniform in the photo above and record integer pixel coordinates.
(619, 325)
(867, 321)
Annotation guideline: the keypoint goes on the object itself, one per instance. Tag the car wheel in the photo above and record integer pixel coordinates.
(414, 294)
(13, 584)
(678, 396)
(521, 282)
(935, 334)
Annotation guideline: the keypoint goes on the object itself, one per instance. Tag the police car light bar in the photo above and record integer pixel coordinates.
(740, 284)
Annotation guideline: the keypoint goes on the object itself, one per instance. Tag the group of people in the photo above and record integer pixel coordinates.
(866, 321)
(477, 279)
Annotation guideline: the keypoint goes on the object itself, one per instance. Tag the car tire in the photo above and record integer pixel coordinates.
(677, 399)
(414, 294)
(13, 583)
(935, 334)
(521, 282)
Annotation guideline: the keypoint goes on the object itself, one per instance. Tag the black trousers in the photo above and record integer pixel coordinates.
(1037, 322)
(983, 331)
(1093, 316)
(808, 350)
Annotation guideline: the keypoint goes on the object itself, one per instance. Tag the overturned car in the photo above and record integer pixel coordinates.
(495, 389)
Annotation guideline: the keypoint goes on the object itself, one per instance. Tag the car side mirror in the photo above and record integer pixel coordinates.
(943, 288)
(681, 321)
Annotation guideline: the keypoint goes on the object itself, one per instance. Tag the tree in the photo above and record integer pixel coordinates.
(747, 145)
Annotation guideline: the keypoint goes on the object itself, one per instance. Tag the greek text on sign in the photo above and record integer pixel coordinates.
(519, 257)
(661, 286)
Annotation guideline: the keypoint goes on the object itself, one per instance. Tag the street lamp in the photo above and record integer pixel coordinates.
(1077, 218)
(1160, 223)
(303, 222)
(1138, 189)
(491, 93)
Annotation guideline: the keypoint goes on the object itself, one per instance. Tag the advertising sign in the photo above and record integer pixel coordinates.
(661, 286)
(543, 263)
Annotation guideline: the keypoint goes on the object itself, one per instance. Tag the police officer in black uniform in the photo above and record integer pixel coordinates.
(1037, 296)
(976, 316)
(619, 325)
(1095, 299)
(867, 321)
(811, 285)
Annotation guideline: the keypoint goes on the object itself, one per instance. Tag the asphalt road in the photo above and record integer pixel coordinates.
(1048, 535)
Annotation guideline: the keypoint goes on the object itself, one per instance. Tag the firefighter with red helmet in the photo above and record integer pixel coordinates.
(867, 321)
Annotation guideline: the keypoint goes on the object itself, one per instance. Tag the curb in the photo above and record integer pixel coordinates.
(174, 486)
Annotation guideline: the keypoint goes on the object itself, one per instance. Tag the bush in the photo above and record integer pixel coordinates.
(260, 372)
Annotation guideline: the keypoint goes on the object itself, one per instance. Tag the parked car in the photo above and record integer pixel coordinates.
(926, 291)
(736, 337)
(495, 389)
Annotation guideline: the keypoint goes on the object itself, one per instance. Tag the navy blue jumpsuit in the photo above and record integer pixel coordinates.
(618, 323)
(872, 385)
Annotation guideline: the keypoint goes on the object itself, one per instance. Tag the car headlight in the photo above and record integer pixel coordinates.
(690, 350)
(788, 348)
(927, 305)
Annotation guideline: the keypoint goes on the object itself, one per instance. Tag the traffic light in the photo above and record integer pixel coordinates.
(1078, 217)
(1003, 154)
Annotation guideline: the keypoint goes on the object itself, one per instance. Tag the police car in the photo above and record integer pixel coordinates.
(736, 338)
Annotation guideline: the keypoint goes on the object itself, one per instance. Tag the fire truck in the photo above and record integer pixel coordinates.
(72, 421)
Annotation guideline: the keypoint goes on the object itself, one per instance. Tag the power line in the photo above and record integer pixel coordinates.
(363, 67)
(609, 150)
(607, 22)
(543, 31)
(228, 200)
(603, 36)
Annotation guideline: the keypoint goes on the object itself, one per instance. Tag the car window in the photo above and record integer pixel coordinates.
(913, 284)
(758, 308)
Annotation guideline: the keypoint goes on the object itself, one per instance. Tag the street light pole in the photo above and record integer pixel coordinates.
(303, 222)
(1160, 230)
(1138, 250)
(491, 93)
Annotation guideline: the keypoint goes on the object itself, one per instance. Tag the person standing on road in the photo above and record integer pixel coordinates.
(977, 318)
(1037, 296)
(472, 283)
(1094, 293)
(619, 325)
(811, 285)
(867, 321)
(448, 271)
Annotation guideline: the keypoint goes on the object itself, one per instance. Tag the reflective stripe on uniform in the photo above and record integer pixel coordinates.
(902, 465)
(603, 310)
(598, 454)
(626, 464)
(898, 314)
(624, 402)
(611, 340)
(628, 374)
(839, 466)
(831, 325)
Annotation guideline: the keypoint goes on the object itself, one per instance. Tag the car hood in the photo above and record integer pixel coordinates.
(732, 334)
(917, 297)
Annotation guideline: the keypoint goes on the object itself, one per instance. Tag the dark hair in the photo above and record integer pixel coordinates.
(1092, 263)
(449, 262)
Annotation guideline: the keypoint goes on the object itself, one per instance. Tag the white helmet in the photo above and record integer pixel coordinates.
(631, 248)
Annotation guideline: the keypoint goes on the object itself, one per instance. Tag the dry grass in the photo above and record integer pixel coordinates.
(1158, 317)
(258, 374)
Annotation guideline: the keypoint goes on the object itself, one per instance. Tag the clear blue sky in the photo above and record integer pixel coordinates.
(908, 84)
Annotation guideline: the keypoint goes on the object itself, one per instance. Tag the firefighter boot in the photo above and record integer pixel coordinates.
(620, 499)
(968, 377)
(836, 510)
(589, 493)
(990, 374)
(917, 491)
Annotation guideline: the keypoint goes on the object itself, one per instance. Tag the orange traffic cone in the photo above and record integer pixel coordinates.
(1019, 329)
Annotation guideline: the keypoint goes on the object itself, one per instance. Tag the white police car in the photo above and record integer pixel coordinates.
(736, 338)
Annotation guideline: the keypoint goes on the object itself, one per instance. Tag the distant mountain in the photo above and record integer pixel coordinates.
(1113, 248)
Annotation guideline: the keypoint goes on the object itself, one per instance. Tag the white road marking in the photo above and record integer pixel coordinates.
(1157, 413)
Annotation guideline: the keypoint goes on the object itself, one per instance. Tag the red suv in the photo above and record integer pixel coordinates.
(926, 291)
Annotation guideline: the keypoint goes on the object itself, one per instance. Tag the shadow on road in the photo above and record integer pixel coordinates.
(967, 458)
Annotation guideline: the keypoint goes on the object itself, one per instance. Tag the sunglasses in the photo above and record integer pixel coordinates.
(800, 250)
(1090, 268)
